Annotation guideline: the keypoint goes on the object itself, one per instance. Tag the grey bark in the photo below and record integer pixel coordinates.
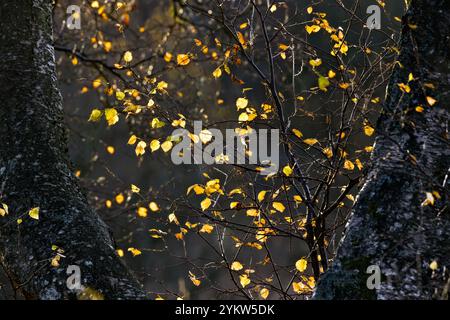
(35, 172)
(389, 227)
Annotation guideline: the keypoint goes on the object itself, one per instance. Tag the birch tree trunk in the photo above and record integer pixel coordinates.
(35, 172)
(391, 225)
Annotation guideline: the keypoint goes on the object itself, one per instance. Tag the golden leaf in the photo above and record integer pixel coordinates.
(287, 170)
(111, 116)
(278, 206)
(301, 265)
(127, 56)
(244, 280)
(311, 141)
(236, 266)
(140, 148)
(261, 195)
(153, 206)
(183, 59)
(34, 213)
(154, 145)
(96, 114)
(205, 204)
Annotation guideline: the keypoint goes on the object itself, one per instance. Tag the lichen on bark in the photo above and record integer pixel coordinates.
(389, 227)
(35, 172)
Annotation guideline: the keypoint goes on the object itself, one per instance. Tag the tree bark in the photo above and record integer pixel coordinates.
(35, 172)
(389, 226)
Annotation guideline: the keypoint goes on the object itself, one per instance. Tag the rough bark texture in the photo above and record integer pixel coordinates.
(411, 156)
(35, 172)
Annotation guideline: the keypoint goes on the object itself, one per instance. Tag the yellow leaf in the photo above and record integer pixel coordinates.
(344, 85)
(205, 204)
(132, 140)
(431, 101)
(243, 117)
(368, 130)
(331, 74)
(55, 261)
(278, 206)
(154, 145)
(206, 228)
(349, 165)
(297, 133)
(243, 25)
(315, 62)
(135, 252)
(311, 141)
(252, 212)
(359, 164)
(434, 265)
(264, 293)
(429, 200)
(96, 83)
(194, 279)
(287, 170)
(312, 29)
(205, 136)
(153, 206)
(261, 195)
(120, 198)
(166, 146)
(34, 213)
(111, 116)
(234, 204)
(96, 114)
(301, 265)
(328, 152)
(173, 218)
(4, 210)
(110, 149)
(120, 95)
(162, 85)
(156, 123)
(127, 56)
(140, 148)
(236, 266)
(244, 280)
(183, 59)
(168, 57)
(323, 83)
(404, 87)
(120, 252)
(300, 287)
(142, 212)
(241, 103)
(241, 40)
(309, 10)
(217, 73)
(135, 189)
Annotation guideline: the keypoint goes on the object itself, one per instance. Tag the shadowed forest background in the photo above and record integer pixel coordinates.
(139, 69)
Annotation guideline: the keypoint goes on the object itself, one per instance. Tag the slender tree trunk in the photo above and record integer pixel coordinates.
(35, 172)
(390, 226)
